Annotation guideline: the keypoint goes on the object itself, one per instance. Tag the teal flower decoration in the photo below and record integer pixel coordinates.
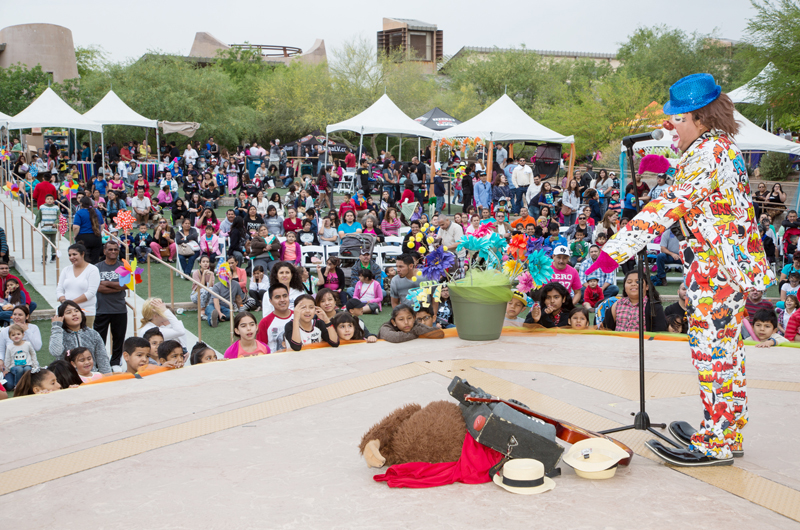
(473, 245)
(541, 268)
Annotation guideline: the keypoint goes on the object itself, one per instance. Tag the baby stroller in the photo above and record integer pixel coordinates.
(350, 249)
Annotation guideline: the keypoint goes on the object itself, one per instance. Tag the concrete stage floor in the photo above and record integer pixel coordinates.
(271, 442)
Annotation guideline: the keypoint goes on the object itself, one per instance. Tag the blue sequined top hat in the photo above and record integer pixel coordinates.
(691, 93)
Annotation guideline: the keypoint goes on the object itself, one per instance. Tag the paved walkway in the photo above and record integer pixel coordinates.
(271, 441)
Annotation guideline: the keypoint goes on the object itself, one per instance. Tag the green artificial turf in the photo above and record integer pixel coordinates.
(41, 303)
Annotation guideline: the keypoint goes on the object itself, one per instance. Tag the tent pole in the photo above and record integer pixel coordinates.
(400, 149)
(387, 144)
(419, 151)
(511, 150)
(91, 146)
(158, 146)
(572, 160)
(102, 150)
(327, 153)
(360, 148)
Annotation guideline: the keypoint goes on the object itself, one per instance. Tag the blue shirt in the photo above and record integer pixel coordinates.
(629, 198)
(83, 220)
(350, 229)
(508, 170)
(483, 193)
(100, 185)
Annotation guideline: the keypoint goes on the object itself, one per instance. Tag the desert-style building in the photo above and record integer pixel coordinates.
(416, 40)
(48, 45)
(206, 46)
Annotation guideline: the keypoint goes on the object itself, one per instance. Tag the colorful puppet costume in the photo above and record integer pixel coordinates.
(723, 258)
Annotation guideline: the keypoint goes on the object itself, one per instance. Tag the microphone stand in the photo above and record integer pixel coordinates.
(641, 421)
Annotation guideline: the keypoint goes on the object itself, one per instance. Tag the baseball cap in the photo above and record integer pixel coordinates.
(560, 250)
(354, 303)
(519, 295)
(365, 251)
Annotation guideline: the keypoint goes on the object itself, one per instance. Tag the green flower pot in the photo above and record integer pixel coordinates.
(479, 305)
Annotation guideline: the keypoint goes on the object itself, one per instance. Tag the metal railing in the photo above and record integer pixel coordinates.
(150, 256)
(45, 242)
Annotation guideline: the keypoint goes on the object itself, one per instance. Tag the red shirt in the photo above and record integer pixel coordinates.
(345, 207)
(42, 190)
(791, 326)
(21, 285)
(350, 160)
(292, 226)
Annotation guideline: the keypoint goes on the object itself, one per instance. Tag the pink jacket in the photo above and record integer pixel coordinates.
(209, 248)
(298, 255)
(233, 351)
(360, 289)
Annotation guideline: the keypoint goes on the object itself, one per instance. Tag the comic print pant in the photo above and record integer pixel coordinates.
(715, 322)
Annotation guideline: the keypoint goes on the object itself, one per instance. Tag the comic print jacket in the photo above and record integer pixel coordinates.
(711, 196)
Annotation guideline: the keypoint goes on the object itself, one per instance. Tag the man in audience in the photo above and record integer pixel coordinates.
(141, 207)
(660, 187)
(365, 261)
(402, 282)
(670, 248)
(755, 301)
(565, 274)
(43, 189)
(523, 221)
(111, 309)
(216, 310)
(272, 326)
(522, 178)
(449, 235)
(483, 193)
(606, 281)
(225, 225)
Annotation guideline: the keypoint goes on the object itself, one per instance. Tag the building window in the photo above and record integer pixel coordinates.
(419, 45)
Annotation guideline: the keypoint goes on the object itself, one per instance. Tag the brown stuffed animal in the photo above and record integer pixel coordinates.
(411, 433)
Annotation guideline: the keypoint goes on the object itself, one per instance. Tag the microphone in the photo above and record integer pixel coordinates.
(628, 141)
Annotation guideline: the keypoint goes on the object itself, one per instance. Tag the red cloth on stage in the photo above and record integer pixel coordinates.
(471, 468)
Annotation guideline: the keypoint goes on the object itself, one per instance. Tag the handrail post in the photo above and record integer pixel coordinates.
(22, 237)
(199, 320)
(13, 235)
(149, 281)
(33, 257)
(44, 261)
(171, 292)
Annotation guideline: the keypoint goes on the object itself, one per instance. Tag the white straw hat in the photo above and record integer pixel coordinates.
(594, 458)
(524, 476)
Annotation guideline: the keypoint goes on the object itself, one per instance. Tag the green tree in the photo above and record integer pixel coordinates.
(20, 86)
(90, 59)
(245, 68)
(663, 55)
(775, 34)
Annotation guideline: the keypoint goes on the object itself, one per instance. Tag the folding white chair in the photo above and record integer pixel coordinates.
(309, 252)
(403, 231)
(388, 255)
(393, 240)
(331, 250)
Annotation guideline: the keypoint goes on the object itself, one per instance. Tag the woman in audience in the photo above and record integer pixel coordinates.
(156, 314)
(391, 223)
(187, 239)
(326, 299)
(264, 249)
(624, 314)
(79, 282)
(21, 316)
(775, 202)
(164, 239)
(204, 276)
(179, 212)
(328, 234)
(208, 218)
(608, 226)
(371, 227)
(87, 226)
(259, 285)
(195, 207)
(70, 330)
(284, 273)
(253, 221)
(275, 200)
(261, 203)
(237, 239)
(274, 222)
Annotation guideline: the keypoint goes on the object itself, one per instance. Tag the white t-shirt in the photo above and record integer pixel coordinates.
(140, 204)
(788, 289)
(87, 283)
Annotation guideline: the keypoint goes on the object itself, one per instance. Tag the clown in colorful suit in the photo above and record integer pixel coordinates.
(723, 258)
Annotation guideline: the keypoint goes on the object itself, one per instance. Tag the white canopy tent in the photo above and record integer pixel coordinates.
(49, 110)
(503, 120)
(382, 117)
(749, 92)
(111, 110)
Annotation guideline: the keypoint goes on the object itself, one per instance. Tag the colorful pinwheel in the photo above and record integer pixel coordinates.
(124, 220)
(436, 264)
(540, 267)
(129, 274)
(518, 246)
(3, 154)
(224, 272)
(12, 188)
(69, 188)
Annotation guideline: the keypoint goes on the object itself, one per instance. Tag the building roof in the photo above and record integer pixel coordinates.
(416, 24)
(544, 53)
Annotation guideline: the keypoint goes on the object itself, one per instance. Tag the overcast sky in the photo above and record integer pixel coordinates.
(129, 29)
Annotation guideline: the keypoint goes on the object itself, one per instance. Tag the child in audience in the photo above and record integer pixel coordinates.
(579, 248)
(579, 318)
(789, 288)
(558, 306)
(209, 244)
(65, 373)
(310, 325)
(403, 327)
(141, 243)
(426, 317)
(675, 323)
(347, 328)
(514, 307)
(201, 354)
(601, 239)
(290, 249)
(554, 238)
(81, 359)
(765, 326)
(245, 327)
(13, 296)
(593, 294)
(369, 291)
(790, 306)
(42, 382)
(170, 354)
(155, 338)
(135, 351)
(20, 357)
(355, 308)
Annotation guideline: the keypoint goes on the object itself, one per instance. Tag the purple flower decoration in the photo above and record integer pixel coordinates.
(436, 263)
(538, 243)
